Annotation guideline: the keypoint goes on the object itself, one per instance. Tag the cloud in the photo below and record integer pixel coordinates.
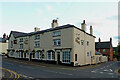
(115, 17)
(39, 12)
(48, 7)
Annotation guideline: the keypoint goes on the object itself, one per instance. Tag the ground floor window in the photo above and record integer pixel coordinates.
(66, 56)
(50, 55)
(20, 54)
(11, 53)
(39, 55)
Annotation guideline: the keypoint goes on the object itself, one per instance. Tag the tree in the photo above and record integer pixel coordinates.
(118, 51)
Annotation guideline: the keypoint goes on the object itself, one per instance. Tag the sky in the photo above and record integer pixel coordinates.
(24, 16)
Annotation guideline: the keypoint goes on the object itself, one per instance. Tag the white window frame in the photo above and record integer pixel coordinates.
(82, 42)
(57, 41)
(37, 43)
(52, 55)
(38, 55)
(11, 53)
(37, 36)
(66, 57)
(21, 46)
(21, 40)
(56, 33)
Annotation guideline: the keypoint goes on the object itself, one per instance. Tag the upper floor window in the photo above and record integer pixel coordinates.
(21, 39)
(37, 36)
(56, 42)
(87, 53)
(56, 33)
(87, 43)
(11, 44)
(82, 42)
(90, 53)
(37, 43)
(21, 46)
(104, 50)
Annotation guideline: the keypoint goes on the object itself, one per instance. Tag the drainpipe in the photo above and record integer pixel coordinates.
(29, 48)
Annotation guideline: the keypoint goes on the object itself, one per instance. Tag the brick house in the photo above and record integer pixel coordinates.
(105, 48)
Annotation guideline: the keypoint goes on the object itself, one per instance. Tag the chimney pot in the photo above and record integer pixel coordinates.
(36, 29)
(99, 40)
(84, 21)
(54, 23)
(91, 30)
(83, 26)
(110, 39)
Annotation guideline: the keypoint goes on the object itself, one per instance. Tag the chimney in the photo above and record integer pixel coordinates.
(83, 25)
(54, 23)
(36, 29)
(91, 30)
(99, 40)
(4, 35)
(110, 39)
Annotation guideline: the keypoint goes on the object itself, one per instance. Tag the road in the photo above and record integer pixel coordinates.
(27, 70)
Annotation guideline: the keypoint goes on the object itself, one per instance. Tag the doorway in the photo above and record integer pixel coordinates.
(58, 57)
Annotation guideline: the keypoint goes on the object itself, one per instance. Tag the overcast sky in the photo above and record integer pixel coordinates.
(24, 16)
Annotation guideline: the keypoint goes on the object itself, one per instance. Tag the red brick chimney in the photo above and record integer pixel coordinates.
(4, 35)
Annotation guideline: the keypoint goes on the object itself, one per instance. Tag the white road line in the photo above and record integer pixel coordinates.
(30, 77)
(101, 72)
(105, 70)
(92, 71)
(110, 73)
(111, 70)
(57, 72)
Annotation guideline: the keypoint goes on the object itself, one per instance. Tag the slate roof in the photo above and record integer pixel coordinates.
(98, 53)
(22, 34)
(18, 34)
(102, 45)
(3, 40)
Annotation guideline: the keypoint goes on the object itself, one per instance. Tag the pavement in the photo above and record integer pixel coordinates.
(33, 70)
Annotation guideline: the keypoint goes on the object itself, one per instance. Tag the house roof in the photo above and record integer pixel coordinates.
(22, 34)
(102, 45)
(17, 34)
(98, 53)
(3, 40)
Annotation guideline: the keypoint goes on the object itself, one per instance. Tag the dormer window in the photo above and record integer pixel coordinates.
(56, 33)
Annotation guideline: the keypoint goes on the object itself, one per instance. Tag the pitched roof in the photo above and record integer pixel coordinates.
(17, 34)
(102, 45)
(22, 34)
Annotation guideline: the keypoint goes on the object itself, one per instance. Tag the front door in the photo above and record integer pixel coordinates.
(58, 57)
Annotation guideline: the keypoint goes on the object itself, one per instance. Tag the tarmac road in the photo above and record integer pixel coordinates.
(29, 70)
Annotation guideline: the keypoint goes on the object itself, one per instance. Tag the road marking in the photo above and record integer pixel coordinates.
(57, 72)
(92, 71)
(105, 70)
(101, 72)
(110, 73)
(12, 72)
(111, 70)
(30, 77)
